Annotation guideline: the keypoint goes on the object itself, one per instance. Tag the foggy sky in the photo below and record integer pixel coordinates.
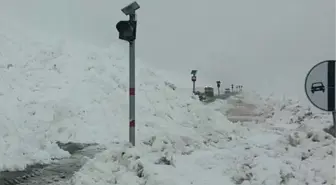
(264, 44)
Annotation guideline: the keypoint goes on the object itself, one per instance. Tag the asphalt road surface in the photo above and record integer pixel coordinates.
(57, 173)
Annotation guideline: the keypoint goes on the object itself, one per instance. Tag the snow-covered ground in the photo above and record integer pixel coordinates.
(288, 148)
(59, 90)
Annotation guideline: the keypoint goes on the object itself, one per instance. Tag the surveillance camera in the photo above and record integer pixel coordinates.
(131, 8)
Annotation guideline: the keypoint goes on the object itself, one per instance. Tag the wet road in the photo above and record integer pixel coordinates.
(57, 173)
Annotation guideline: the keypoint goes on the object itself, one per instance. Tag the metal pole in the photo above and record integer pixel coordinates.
(132, 88)
(218, 91)
(194, 87)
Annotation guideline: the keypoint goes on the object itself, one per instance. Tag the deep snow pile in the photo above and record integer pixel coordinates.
(289, 147)
(55, 90)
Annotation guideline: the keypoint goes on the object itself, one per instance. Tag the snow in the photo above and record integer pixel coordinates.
(243, 153)
(69, 92)
(57, 89)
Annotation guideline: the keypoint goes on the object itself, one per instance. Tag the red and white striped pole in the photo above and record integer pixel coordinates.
(132, 87)
(127, 32)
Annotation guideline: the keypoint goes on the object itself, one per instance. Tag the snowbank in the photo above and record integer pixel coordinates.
(294, 151)
(56, 90)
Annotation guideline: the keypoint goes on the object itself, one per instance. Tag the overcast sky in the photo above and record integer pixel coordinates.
(266, 44)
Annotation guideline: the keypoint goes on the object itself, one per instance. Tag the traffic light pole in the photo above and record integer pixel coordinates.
(218, 87)
(193, 79)
(127, 32)
(132, 87)
(194, 91)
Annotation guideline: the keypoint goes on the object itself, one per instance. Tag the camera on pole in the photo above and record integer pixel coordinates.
(127, 32)
(218, 86)
(193, 79)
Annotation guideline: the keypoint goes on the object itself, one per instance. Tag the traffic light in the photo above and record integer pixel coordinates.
(127, 30)
(218, 84)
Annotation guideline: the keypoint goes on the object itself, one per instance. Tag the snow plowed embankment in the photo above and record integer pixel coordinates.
(285, 146)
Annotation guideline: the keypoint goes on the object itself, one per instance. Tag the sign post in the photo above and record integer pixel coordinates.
(193, 79)
(127, 32)
(320, 86)
(218, 86)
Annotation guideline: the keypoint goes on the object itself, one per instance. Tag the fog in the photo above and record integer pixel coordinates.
(267, 45)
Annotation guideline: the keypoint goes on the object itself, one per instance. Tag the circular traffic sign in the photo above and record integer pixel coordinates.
(193, 78)
(320, 85)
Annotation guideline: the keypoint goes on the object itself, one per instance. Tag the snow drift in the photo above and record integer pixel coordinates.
(289, 147)
(59, 90)
(56, 90)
